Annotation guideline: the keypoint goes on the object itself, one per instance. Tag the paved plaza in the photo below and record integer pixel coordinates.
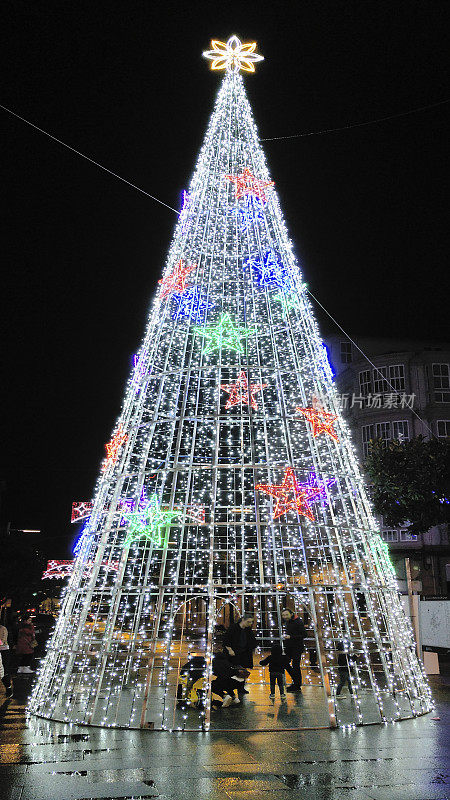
(43, 760)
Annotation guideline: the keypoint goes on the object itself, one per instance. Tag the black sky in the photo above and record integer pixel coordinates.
(125, 83)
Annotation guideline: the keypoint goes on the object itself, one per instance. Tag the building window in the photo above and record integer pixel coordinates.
(443, 428)
(380, 384)
(346, 352)
(406, 536)
(367, 436)
(365, 384)
(389, 536)
(397, 376)
(400, 430)
(441, 383)
(383, 431)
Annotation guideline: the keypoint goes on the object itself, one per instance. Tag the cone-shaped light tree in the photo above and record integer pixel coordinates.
(230, 482)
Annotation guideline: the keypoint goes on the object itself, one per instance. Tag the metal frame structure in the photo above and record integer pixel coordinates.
(123, 636)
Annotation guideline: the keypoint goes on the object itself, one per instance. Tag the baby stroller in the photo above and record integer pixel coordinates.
(191, 689)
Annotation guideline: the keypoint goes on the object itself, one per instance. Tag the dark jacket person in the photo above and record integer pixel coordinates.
(293, 647)
(239, 641)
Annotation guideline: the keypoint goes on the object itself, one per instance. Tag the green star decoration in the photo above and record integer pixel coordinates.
(288, 300)
(224, 334)
(151, 523)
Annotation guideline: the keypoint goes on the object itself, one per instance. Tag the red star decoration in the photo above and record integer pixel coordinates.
(322, 421)
(246, 183)
(290, 486)
(239, 392)
(112, 448)
(176, 281)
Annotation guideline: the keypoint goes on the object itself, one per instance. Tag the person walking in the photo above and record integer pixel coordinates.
(5, 655)
(239, 641)
(293, 647)
(278, 663)
(26, 642)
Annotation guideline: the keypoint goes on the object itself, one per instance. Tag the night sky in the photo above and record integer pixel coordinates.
(124, 82)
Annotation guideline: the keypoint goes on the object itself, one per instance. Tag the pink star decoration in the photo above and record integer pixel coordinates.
(175, 283)
(246, 183)
(242, 392)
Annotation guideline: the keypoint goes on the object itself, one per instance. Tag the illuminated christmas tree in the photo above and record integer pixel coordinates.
(227, 484)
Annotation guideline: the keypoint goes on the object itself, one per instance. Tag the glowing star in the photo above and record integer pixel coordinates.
(240, 392)
(192, 305)
(150, 523)
(322, 421)
(248, 213)
(129, 504)
(288, 300)
(290, 495)
(233, 55)
(176, 281)
(246, 183)
(112, 448)
(319, 487)
(81, 511)
(224, 335)
(269, 269)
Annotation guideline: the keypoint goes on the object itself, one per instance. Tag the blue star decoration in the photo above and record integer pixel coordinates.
(320, 487)
(192, 305)
(226, 334)
(151, 523)
(269, 270)
(248, 212)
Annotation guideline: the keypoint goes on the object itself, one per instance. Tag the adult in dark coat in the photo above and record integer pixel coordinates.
(293, 647)
(239, 641)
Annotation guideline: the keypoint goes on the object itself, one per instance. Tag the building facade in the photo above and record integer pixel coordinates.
(399, 391)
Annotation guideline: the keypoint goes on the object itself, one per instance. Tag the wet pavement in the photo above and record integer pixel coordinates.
(41, 760)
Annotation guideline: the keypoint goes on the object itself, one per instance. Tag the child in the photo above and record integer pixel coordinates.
(277, 664)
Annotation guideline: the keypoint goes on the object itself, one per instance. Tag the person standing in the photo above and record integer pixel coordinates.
(278, 663)
(343, 668)
(239, 641)
(293, 647)
(5, 656)
(26, 642)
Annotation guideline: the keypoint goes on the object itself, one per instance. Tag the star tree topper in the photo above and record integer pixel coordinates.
(176, 281)
(233, 55)
(290, 495)
(322, 421)
(224, 334)
(242, 392)
(246, 183)
(150, 523)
